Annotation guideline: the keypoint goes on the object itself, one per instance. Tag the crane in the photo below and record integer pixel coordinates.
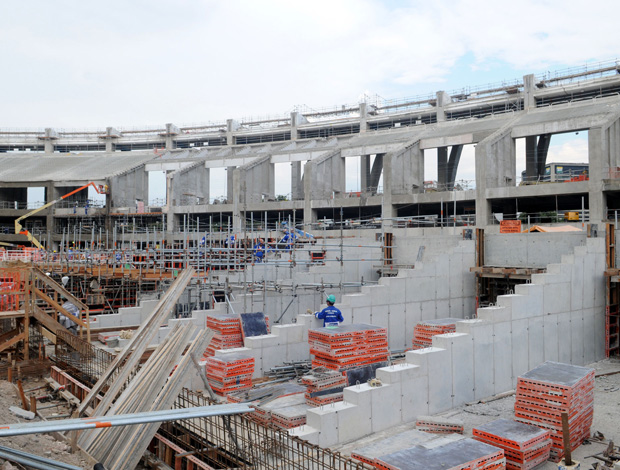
(100, 188)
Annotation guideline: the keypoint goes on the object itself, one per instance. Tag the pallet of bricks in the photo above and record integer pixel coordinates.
(549, 390)
(324, 386)
(525, 446)
(230, 372)
(227, 333)
(348, 346)
(464, 454)
(424, 331)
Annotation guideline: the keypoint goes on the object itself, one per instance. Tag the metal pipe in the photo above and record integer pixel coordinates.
(34, 461)
(19, 429)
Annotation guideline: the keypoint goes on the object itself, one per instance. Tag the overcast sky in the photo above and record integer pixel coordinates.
(81, 64)
(133, 63)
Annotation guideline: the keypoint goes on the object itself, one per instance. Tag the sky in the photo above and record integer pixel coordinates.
(135, 63)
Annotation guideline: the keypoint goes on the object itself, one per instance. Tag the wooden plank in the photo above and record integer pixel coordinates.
(45, 279)
(137, 440)
(143, 388)
(47, 321)
(13, 341)
(138, 343)
(58, 307)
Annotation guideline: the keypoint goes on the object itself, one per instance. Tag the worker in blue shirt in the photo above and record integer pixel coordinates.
(259, 251)
(330, 315)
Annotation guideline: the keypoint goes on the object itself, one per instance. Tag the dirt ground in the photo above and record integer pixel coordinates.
(43, 445)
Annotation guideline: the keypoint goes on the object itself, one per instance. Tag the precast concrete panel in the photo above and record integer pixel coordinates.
(536, 341)
(520, 350)
(502, 356)
(577, 338)
(564, 337)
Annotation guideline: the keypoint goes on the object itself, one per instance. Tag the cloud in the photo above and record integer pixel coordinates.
(81, 64)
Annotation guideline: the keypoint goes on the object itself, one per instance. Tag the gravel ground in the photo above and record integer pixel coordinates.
(43, 445)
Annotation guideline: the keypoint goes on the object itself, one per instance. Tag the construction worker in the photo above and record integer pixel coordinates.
(330, 315)
(259, 251)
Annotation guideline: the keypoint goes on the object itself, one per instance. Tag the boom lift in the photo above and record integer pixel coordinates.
(100, 188)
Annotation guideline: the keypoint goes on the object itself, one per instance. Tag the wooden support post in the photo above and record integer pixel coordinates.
(22, 395)
(33, 404)
(9, 374)
(568, 458)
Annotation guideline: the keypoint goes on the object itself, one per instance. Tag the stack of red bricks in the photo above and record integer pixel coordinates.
(348, 346)
(227, 333)
(424, 331)
(229, 373)
(549, 390)
(324, 386)
(525, 446)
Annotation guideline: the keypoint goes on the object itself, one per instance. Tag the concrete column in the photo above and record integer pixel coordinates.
(495, 168)
(297, 188)
(231, 127)
(388, 211)
(529, 86)
(530, 158)
(229, 183)
(169, 136)
(309, 213)
(375, 173)
(598, 153)
(110, 137)
(365, 173)
(238, 222)
(170, 203)
(50, 136)
(443, 99)
(363, 117)
(442, 167)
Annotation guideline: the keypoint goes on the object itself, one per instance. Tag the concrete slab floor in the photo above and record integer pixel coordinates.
(606, 417)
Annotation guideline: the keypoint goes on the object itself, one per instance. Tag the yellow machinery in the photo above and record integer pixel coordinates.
(100, 188)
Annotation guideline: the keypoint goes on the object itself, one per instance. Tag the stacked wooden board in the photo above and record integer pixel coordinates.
(227, 330)
(464, 454)
(424, 331)
(348, 346)
(230, 372)
(549, 390)
(525, 446)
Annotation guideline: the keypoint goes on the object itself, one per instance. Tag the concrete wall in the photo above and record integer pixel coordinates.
(440, 288)
(534, 250)
(190, 186)
(407, 170)
(559, 317)
(324, 176)
(127, 187)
